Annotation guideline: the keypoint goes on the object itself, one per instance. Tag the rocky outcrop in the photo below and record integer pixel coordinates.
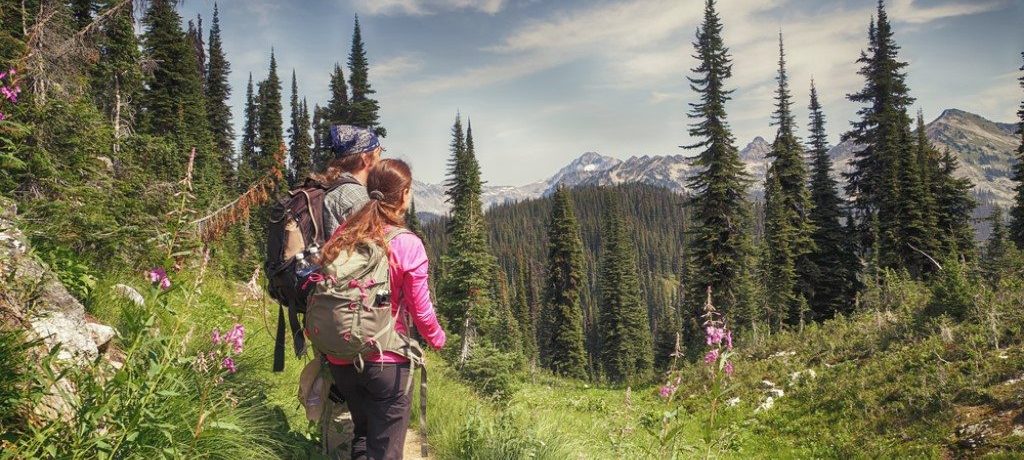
(32, 298)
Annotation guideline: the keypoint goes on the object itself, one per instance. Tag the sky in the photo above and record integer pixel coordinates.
(545, 81)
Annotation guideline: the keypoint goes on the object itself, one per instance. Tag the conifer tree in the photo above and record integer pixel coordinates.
(523, 312)
(412, 221)
(468, 268)
(720, 213)
(999, 249)
(832, 266)
(882, 187)
(787, 208)
(173, 101)
(560, 331)
(247, 165)
(1017, 212)
(626, 345)
(299, 138)
(81, 11)
(950, 203)
(363, 107)
(321, 143)
(194, 36)
(915, 216)
(270, 126)
(218, 92)
(117, 78)
(338, 106)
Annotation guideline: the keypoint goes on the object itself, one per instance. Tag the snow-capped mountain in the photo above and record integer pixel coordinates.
(985, 149)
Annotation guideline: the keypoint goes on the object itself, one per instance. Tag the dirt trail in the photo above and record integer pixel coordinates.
(413, 445)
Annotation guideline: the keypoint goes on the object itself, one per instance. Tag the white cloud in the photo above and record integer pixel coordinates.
(425, 7)
(397, 67)
(918, 12)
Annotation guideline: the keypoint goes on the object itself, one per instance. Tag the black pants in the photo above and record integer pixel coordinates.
(380, 408)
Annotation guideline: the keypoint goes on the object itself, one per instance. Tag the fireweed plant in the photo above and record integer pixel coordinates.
(717, 370)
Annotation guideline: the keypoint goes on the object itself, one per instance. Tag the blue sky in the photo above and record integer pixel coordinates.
(545, 81)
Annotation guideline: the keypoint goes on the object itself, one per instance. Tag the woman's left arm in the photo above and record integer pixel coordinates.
(415, 269)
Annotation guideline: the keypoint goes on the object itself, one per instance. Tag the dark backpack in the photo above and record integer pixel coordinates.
(296, 225)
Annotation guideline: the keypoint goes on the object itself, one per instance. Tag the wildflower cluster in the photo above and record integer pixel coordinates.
(158, 277)
(8, 89)
(719, 341)
(226, 346)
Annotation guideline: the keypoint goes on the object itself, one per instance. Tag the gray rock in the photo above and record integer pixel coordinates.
(101, 335)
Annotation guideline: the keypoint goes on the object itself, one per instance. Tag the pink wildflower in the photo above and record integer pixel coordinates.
(215, 336)
(728, 369)
(235, 337)
(666, 391)
(159, 277)
(712, 356)
(714, 335)
(3, 117)
(728, 340)
(228, 364)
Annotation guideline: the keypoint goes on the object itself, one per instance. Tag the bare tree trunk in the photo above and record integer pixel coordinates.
(117, 115)
(467, 331)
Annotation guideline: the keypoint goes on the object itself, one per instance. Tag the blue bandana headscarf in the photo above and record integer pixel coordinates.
(349, 140)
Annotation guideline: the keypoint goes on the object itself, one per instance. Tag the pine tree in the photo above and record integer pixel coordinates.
(362, 107)
(831, 264)
(321, 143)
(117, 78)
(915, 213)
(218, 93)
(468, 268)
(194, 36)
(1017, 212)
(882, 182)
(523, 312)
(247, 166)
(788, 205)
(997, 249)
(951, 203)
(720, 213)
(412, 221)
(299, 146)
(338, 106)
(173, 101)
(81, 11)
(270, 125)
(560, 332)
(626, 346)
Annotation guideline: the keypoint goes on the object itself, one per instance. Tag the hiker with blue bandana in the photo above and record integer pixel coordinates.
(355, 151)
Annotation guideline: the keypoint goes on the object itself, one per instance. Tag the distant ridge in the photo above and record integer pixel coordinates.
(985, 149)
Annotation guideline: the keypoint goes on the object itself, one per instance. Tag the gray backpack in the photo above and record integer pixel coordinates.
(348, 314)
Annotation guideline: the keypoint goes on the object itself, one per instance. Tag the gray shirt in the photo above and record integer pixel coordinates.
(341, 203)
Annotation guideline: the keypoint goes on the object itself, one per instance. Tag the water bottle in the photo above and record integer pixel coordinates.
(304, 265)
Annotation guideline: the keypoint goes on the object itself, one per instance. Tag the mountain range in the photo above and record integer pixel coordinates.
(985, 149)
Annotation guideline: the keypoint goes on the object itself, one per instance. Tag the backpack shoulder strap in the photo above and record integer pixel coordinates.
(394, 232)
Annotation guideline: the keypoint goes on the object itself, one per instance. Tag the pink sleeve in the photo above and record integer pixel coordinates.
(411, 257)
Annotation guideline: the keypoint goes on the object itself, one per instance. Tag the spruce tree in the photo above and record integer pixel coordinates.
(247, 166)
(117, 78)
(951, 203)
(1017, 212)
(916, 229)
(523, 311)
(720, 211)
(787, 208)
(81, 11)
(173, 101)
(338, 106)
(468, 268)
(299, 147)
(885, 181)
(194, 36)
(270, 125)
(626, 346)
(1000, 253)
(412, 221)
(321, 142)
(560, 330)
(363, 107)
(218, 93)
(832, 266)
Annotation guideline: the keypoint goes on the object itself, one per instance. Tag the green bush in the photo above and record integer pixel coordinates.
(491, 371)
(18, 390)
